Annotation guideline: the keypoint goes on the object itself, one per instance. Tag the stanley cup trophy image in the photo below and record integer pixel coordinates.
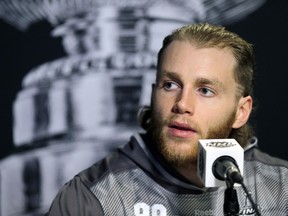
(73, 111)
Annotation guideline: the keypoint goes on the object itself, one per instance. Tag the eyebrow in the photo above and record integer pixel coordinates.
(199, 81)
(206, 81)
(169, 74)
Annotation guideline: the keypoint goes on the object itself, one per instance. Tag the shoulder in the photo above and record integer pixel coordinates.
(268, 170)
(75, 199)
(76, 196)
(256, 154)
(112, 163)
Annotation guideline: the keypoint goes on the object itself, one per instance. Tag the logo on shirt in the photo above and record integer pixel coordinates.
(247, 210)
(204, 212)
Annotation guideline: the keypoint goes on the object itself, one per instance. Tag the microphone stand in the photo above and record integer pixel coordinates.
(231, 205)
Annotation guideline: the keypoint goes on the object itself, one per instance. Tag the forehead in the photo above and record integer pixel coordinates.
(185, 56)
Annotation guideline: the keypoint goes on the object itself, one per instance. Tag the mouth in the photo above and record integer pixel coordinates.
(181, 126)
(181, 130)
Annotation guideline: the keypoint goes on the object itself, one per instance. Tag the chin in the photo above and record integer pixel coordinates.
(181, 150)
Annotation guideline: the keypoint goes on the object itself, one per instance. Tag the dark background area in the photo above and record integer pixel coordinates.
(266, 29)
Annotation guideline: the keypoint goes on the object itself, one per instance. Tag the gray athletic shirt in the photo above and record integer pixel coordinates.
(132, 182)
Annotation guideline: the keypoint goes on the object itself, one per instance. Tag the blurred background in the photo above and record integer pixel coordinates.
(75, 72)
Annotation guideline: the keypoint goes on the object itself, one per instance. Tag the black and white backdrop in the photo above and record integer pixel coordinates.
(73, 74)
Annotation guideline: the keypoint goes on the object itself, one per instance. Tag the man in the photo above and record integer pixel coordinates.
(203, 90)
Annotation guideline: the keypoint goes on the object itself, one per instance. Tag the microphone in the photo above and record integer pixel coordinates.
(220, 160)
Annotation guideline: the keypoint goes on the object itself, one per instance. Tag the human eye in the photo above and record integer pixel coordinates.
(207, 92)
(170, 85)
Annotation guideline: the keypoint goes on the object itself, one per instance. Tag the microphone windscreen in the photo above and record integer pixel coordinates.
(210, 150)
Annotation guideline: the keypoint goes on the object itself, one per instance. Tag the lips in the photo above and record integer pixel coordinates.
(180, 126)
(182, 130)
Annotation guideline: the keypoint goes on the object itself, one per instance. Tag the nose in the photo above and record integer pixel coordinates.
(184, 103)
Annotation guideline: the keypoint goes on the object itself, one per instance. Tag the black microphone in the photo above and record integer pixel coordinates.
(226, 168)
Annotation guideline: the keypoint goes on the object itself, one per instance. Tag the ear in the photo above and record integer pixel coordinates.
(243, 111)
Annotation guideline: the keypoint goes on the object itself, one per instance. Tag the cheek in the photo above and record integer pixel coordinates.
(159, 111)
(221, 115)
(217, 108)
(210, 116)
(163, 105)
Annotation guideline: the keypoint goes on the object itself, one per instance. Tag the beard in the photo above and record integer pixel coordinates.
(182, 159)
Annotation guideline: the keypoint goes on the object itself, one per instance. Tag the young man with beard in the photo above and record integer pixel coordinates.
(203, 90)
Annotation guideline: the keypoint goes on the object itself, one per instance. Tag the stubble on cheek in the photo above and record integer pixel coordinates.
(176, 152)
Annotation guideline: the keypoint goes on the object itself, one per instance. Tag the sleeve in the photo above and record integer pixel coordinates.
(75, 199)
